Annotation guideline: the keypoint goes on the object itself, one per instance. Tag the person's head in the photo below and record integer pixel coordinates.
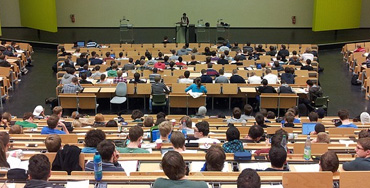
(53, 143)
(137, 76)
(237, 113)
(308, 61)
(271, 115)
(208, 60)
(94, 137)
(235, 71)
(111, 123)
(313, 116)
(39, 167)
(248, 109)
(114, 66)
(323, 138)
(16, 129)
(119, 73)
(157, 79)
(363, 147)
(209, 65)
(289, 117)
(365, 118)
(260, 119)
(52, 121)
(58, 110)
(6, 116)
(172, 64)
(362, 134)
(202, 111)
(148, 121)
(206, 49)
(136, 114)
(268, 71)
(165, 128)
(187, 120)
(201, 129)
(255, 132)
(277, 156)
(309, 83)
(186, 74)
(161, 115)
(70, 70)
(248, 178)
(177, 140)
(221, 71)
(319, 128)
(329, 161)
(343, 114)
(321, 113)
(264, 82)
(215, 158)
(203, 71)
(107, 150)
(173, 165)
(135, 133)
(276, 64)
(232, 133)
(120, 54)
(28, 116)
(99, 118)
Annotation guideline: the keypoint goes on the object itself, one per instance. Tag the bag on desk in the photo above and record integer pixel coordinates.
(242, 156)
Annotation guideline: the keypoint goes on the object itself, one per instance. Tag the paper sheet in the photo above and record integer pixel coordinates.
(307, 168)
(255, 166)
(79, 184)
(129, 166)
(196, 166)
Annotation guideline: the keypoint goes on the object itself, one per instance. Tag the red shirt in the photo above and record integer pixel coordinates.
(160, 65)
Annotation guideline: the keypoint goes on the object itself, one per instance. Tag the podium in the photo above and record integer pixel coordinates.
(126, 31)
(203, 34)
(181, 32)
(222, 32)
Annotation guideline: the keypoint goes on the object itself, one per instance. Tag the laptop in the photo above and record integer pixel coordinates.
(307, 128)
(81, 43)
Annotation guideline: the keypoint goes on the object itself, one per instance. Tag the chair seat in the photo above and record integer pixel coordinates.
(159, 103)
(118, 100)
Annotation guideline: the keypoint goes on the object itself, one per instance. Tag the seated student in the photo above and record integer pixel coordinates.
(284, 88)
(137, 79)
(255, 134)
(275, 141)
(322, 138)
(186, 79)
(16, 129)
(307, 66)
(84, 69)
(235, 78)
(289, 120)
(221, 78)
(237, 117)
(211, 71)
(248, 110)
(329, 162)
(233, 143)
(135, 136)
(174, 167)
(109, 156)
(178, 141)
(271, 115)
(83, 79)
(277, 156)
(119, 78)
(197, 87)
(92, 139)
(67, 77)
(344, 118)
(3, 156)
(365, 118)
(201, 131)
(39, 172)
(263, 111)
(254, 79)
(222, 60)
(97, 72)
(204, 78)
(187, 124)
(137, 115)
(111, 123)
(265, 88)
(202, 112)
(154, 75)
(362, 162)
(38, 112)
(362, 134)
(215, 159)
(288, 76)
(165, 129)
(260, 120)
(103, 79)
(53, 122)
(99, 120)
(72, 87)
(318, 129)
(53, 143)
(295, 113)
(113, 71)
(27, 121)
(148, 121)
(248, 178)
(6, 118)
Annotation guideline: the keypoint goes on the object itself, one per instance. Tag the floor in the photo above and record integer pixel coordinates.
(40, 83)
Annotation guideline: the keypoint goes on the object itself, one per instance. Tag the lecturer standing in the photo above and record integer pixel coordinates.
(185, 23)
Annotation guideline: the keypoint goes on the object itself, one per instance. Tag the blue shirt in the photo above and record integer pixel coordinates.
(347, 126)
(295, 121)
(47, 130)
(194, 88)
(88, 150)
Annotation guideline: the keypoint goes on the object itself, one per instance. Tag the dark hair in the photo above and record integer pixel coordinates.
(277, 156)
(4, 138)
(52, 121)
(215, 158)
(39, 167)
(248, 109)
(198, 82)
(135, 132)
(136, 114)
(319, 128)
(329, 161)
(270, 115)
(161, 115)
(106, 149)
(177, 139)
(313, 116)
(260, 119)
(364, 133)
(264, 82)
(237, 112)
(365, 143)
(173, 165)
(203, 127)
(263, 111)
(343, 114)
(94, 137)
(289, 117)
(111, 123)
(255, 132)
(232, 133)
(27, 115)
(187, 74)
(309, 82)
(248, 178)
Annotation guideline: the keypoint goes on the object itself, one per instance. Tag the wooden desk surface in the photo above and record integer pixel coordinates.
(91, 90)
(107, 90)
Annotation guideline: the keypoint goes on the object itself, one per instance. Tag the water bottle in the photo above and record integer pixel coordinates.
(283, 143)
(98, 169)
(184, 129)
(307, 149)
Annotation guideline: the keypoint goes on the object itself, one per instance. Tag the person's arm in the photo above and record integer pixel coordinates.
(349, 166)
(61, 124)
(166, 90)
(274, 90)
(189, 88)
(205, 89)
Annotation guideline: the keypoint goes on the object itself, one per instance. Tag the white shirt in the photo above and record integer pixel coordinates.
(254, 80)
(306, 56)
(205, 140)
(271, 78)
(185, 81)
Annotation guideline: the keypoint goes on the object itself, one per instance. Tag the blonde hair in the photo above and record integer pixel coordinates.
(77, 123)
(16, 129)
(165, 128)
(323, 138)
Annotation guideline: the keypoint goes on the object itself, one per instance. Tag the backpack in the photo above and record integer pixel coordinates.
(354, 80)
